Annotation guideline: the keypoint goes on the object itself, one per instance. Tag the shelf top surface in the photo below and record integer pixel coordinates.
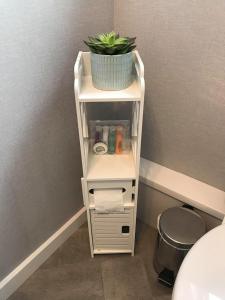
(125, 205)
(88, 93)
(111, 167)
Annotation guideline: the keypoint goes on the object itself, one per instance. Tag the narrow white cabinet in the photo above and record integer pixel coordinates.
(112, 232)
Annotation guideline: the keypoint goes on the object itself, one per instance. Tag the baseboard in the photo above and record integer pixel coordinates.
(21, 273)
(183, 188)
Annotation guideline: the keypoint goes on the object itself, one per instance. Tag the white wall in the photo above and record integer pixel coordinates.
(40, 164)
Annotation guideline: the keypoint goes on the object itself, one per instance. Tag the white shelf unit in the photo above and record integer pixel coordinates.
(110, 171)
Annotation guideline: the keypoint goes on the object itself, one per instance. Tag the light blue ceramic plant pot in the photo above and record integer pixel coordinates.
(111, 72)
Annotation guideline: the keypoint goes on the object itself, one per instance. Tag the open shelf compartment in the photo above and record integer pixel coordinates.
(107, 166)
(88, 93)
(110, 166)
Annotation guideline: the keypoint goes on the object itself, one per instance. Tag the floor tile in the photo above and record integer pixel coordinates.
(125, 279)
(71, 274)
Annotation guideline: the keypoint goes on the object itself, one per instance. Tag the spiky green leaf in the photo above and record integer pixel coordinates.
(110, 44)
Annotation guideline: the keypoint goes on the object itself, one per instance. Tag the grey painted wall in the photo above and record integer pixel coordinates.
(182, 44)
(40, 165)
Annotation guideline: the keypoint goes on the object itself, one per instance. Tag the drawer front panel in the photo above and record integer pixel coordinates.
(125, 185)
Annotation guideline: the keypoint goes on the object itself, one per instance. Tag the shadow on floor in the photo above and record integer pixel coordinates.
(71, 274)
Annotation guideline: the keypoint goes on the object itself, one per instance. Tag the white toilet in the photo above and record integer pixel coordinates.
(202, 273)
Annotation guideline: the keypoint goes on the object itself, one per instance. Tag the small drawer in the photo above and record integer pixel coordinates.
(112, 231)
(126, 186)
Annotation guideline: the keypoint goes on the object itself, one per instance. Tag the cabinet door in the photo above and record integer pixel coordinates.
(112, 231)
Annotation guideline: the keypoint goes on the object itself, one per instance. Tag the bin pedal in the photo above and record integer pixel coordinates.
(166, 277)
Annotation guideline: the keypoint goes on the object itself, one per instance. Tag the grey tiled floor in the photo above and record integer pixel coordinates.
(71, 274)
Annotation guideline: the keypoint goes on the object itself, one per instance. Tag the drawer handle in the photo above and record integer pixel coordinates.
(125, 229)
(92, 191)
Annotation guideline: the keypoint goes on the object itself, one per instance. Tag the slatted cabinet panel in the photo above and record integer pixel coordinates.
(112, 231)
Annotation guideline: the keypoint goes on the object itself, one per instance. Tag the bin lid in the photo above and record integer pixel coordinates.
(181, 227)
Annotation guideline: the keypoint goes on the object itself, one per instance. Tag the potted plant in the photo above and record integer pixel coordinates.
(111, 60)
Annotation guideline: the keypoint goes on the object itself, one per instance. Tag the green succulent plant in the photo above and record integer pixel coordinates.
(110, 44)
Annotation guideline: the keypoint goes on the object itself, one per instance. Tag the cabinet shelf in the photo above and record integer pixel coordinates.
(88, 93)
(110, 167)
(126, 205)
